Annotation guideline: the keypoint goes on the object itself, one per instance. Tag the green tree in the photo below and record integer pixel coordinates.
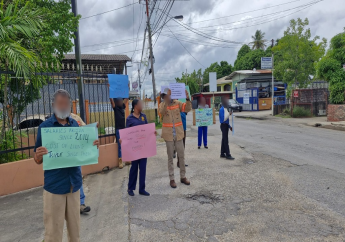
(258, 40)
(330, 69)
(297, 54)
(251, 60)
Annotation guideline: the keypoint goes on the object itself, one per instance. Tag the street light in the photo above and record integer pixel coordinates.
(178, 17)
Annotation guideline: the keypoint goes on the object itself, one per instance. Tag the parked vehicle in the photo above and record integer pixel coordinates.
(235, 105)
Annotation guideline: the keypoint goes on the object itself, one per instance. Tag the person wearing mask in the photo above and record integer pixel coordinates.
(224, 127)
(134, 119)
(173, 133)
(120, 122)
(61, 196)
(202, 130)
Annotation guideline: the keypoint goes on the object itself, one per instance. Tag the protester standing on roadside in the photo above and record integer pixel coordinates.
(120, 122)
(224, 127)
(202, 130)
(83, 207)
(134, 119)
(61, 196)
(173, 133)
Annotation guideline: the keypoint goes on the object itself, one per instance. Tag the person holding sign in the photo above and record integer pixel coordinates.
(202, 130)
(134, 119)
(225, 126)
(120, 122)
(61, 196)
(173, 133)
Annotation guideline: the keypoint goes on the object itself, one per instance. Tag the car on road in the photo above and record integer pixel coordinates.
(235, 105)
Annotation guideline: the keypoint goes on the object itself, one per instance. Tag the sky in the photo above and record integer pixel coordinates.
(211, 30)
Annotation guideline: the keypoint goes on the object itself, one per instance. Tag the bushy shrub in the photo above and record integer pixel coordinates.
(300, 112)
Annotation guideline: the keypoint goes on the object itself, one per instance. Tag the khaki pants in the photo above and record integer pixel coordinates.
(178, 145)
(58, 208)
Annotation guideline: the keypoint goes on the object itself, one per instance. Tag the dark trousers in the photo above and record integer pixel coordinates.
(202, 134)
(133, 174)
(225, 150)
(184, 144)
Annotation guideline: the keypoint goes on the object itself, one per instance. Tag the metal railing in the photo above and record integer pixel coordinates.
(28, 104)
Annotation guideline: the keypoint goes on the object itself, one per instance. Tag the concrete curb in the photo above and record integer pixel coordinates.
(328, 126)
(252, 117)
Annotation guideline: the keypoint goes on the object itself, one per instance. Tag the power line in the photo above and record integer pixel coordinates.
(136, 42)
(107, 11)
(186, 49)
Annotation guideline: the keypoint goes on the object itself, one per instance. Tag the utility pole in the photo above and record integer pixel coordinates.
(272, 80)
(80, 79)
(151, 57)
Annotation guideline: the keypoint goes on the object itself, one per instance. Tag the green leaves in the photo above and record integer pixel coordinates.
(296, 54)
(330, 68)
(258, 40)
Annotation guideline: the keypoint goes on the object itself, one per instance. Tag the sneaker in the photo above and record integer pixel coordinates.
(199, 147)
(84, 209)
(229, 157)
(178, 164)
(144, 193)
(206, 147)
(120, 163)
(222, 156)
(130, 193)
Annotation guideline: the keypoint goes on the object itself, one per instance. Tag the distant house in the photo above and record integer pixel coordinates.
(97, 65)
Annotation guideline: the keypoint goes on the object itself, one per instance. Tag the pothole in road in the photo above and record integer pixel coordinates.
(248, 162)
(205, 197)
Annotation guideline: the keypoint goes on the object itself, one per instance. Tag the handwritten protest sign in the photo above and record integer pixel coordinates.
(118, 86)
(183, 99)
(138, 142)
(178, 90)
(204, 117)
(96, 130)
(69, 147)
(164, 89)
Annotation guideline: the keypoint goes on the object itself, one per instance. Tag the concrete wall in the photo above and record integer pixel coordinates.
(335, 113)
(25, 174)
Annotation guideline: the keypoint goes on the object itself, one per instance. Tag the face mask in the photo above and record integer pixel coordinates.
(62, 114)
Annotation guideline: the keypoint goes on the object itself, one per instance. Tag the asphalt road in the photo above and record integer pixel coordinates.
(299, 144)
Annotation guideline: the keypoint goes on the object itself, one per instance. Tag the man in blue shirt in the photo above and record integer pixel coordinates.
(61, 196)
(184, 123)
(224, 127)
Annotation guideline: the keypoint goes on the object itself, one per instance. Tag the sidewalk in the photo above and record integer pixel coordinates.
(255, 197)
(313, 121)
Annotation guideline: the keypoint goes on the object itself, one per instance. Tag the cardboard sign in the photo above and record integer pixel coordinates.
(178, 90)
(183, 99)
(163, 89)
(138, 142)
(69, 147)
(204, 117)
(118, 86)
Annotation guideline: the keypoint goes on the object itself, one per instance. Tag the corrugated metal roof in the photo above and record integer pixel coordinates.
(98, 57)
(249, 72)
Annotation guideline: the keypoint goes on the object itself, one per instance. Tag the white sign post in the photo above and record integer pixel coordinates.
(213, 81)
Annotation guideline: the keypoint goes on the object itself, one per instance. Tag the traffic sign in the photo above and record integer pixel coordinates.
(266, 63)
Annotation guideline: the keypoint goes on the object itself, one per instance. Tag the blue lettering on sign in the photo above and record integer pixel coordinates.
(53, 154)
(72, 154)
(65, 137)
(82, 137)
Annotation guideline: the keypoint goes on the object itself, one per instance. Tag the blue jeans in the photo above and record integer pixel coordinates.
(202, 132)
(133, 175)
(117, 133)
(82, 195)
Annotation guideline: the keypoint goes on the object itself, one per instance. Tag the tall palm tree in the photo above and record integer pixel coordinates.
(258, 40)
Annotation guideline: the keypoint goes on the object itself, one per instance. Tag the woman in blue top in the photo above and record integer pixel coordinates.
(137, 118)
